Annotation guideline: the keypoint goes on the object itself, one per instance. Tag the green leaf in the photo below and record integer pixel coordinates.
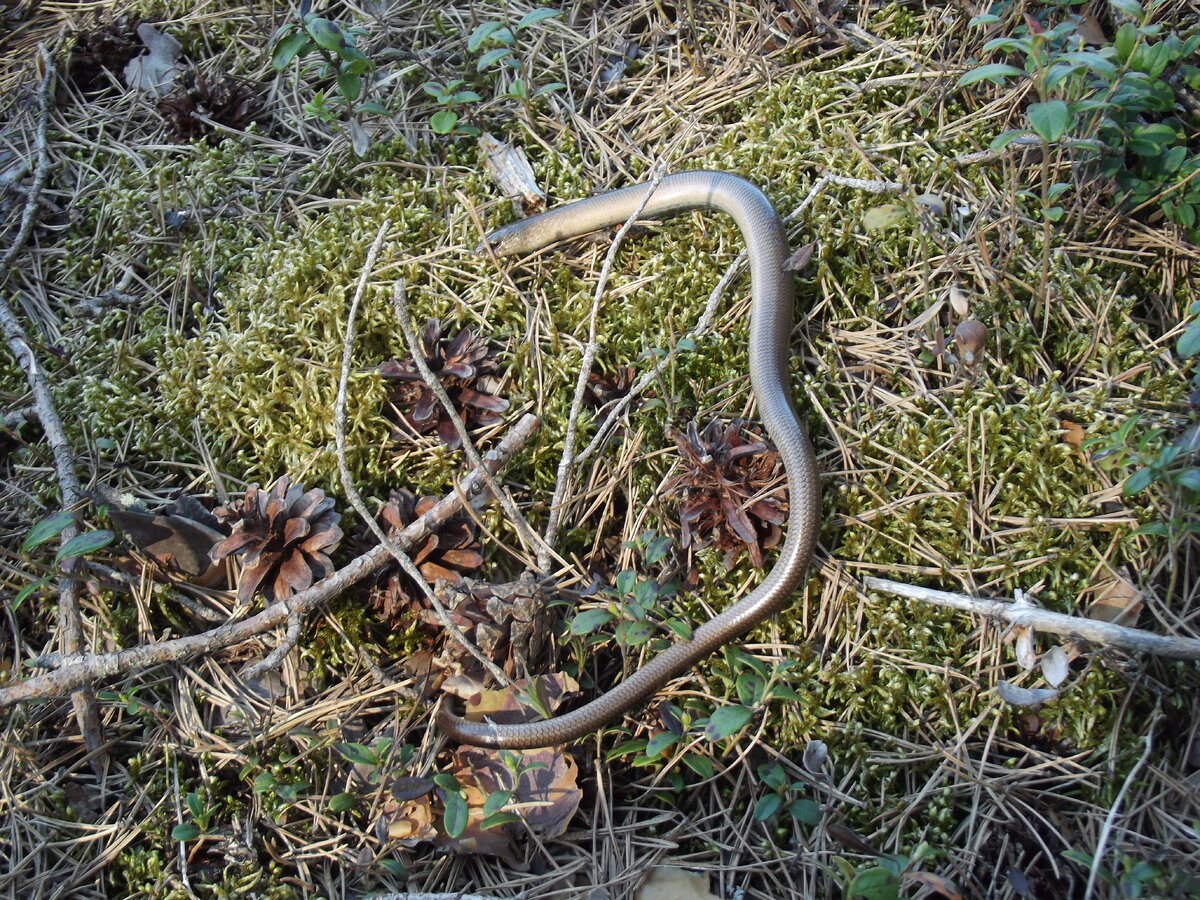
(465, 97)
(805, 811)
(549, 88)
(455, 817)
(29, 590)
(194, 805)
(701, 765)
(436, 90)
(1131, 8)
(1189, 341)
(343, 802)
(349, 86)
(634, 634)
(750, 688)
(482, 32)
(289, 48)
(1124, 41)
(1189, 479)
(1053, 213)
(518, 89)
(1139, 481)
(496, 801)
(537, 15)
(497, 819)
(657, 549)
(766, 807)
(1004, 138)
(773, 776)
(660, 742)
(325, 33)
(185, 832)
(993, 72)
(876, 883)
(49, 527)
(1155, 528)
(358, 754)
(645, 591)
(625, 581)
(443, 121)
(374, 107)
(680, 628)
(726, 721)
(589, 620)
(983, 19)
(1049, 119)
(886, 216)
(492, 57)
(81, 544)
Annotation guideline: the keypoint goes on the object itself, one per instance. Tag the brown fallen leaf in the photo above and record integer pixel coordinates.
(799, 260)
(671, 883)
(407, 821)
(1115, 600)
(848, 839)
(1073, 433)
(939, 885)
(526, 700)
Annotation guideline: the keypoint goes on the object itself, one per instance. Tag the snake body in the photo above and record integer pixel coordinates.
(770, 330)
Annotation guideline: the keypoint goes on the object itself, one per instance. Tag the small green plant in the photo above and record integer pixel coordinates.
(201, 818)
(337, 57)
(503, 43)
(1114, 102)
(1134, 878)
(892, 876)
(453, 100)
(784, 795)
(46, 530)
(634, 602)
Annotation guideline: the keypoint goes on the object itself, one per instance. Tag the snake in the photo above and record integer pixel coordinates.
(771, 312)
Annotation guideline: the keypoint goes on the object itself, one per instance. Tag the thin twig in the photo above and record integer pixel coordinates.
(339, 434)
(567, 461)
(70, 622)
(531, 538)
(78, 669)
(1106, 633)
(1111, 818)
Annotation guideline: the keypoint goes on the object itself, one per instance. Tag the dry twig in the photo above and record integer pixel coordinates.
(1106, 633)
(75, 670)
(339, 435)
(70, 622)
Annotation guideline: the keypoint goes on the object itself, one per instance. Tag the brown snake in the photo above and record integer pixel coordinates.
(770, 330)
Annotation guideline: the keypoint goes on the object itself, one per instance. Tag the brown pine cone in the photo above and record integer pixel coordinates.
(285, 536)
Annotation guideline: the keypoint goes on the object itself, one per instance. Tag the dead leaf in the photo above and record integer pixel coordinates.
(959, 302)
(155, 71)
(849, 839)
(816, 754)
(509, 167)
(887, 215)
(1073, 433)
(360, 139)
(1090, 29)
(514, 704)
(799, 260)
(407, 821)
(670, 883)
(174, 542)
(1019, 696)
(939, 885)
(933, 202)
(1115, 600)
(1055, 666)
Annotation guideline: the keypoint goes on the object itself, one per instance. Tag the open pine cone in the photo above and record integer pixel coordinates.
(458, 364)
(285, 536)
(222, 99)
(105, 47)
(722, 486)
(447, 555)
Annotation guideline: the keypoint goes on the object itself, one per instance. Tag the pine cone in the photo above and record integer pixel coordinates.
(286, 536)
(104, 47)
(447, 555)
(458, 364)
(224, 100)
(722, 486)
